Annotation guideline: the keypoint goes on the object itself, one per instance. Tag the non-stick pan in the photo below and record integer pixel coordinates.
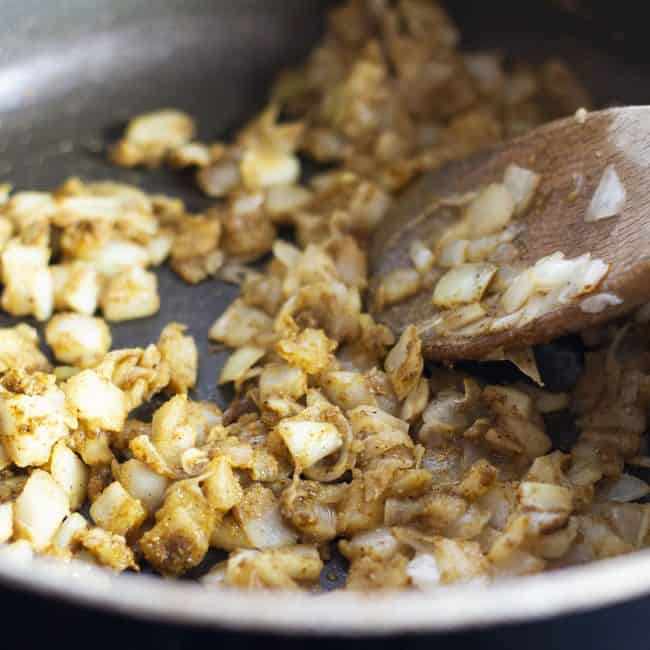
(72, 72)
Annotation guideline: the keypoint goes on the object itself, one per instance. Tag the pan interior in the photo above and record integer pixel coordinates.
(73, 72)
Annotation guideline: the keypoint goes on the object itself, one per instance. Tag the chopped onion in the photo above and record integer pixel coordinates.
(423, 571)
(609, 198)
(5, 192)
(458, 200)
(284, 199)
(398, 285)
(522, 184)
(309, 442)
(481, 326)
(553, 271)
(460, 317)
(594, 272)
(505, 322)
(219, 179)
(286, 253)
(421, 256)
(480, 249)
(520, 289)
(233, 272)
(630, 521)
(239, 363)
(599, 302)
(581, 115)
(491, 211)
(464, 284)
(523, 358)
(453, 254)
(560, 278)
(626, 488)
(379, 543)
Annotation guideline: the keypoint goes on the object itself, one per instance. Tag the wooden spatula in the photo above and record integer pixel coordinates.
(571, 155)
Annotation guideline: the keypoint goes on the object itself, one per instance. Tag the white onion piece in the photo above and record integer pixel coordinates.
(586, 276)
(458, 318)
(480, 249)
(538, 305)
(239, 363)
(581, 115)
(505, 322)
(219, 179)
(519, 291)
(522, 184)
(398, 285)
(599, 302)
(464, 284)
(609, 198)
(491, 211)
(553, 271)
(379, 543)
(286, 253)
(626, 488)
(423, 571)
(561, 279)
(595, 271)
(453, 254)
(458, 200)
(284, 199)
(523, 358)
(474, 329)
(308, 442)
(504, 277)
(421, 256)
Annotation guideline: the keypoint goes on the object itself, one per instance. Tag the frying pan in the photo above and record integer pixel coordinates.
(72, 72)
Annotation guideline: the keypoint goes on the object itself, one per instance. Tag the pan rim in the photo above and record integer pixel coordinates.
(340, 613)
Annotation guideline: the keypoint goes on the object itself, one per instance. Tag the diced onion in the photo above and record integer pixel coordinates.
(522, 184)
(453, 253)
(609, 198)
(463, 284)
(460, 317)
(599, 302)
(581, 115)
(520, 289)
(423, 571)
(309, 442)
(490, 211)
(399, 285)
(626, 488)
(421, 256)
(239, 362)
(220, 178)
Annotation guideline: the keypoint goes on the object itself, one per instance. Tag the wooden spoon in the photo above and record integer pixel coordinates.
(571, 155)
